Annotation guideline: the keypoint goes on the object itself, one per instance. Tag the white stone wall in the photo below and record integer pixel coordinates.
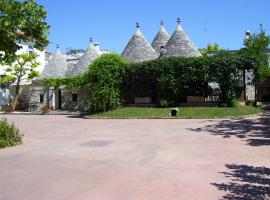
(250, 88)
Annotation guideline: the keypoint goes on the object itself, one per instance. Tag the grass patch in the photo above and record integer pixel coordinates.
(184, 112)
(9, 134)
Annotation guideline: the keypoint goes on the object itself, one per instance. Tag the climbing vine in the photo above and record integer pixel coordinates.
(69, 82)
(113, 81)
(173, 79)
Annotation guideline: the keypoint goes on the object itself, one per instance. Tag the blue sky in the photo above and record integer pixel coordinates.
(112, 22)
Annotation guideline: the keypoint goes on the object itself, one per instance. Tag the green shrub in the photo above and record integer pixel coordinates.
(107, 75)
(165, 104)
(9, 134)
(170, 80)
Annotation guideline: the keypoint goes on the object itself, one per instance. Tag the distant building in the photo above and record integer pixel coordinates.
(43, 57)
(80, 63)
(73, 55)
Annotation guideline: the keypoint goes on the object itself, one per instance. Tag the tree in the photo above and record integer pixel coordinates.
(107, 75)
(210, 48)
(24, 68)
(21, 21)
(257, 45)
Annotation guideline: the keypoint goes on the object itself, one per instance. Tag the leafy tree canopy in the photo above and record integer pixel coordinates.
(24, 68)
(21, 21)
(257, 44)
(214, 47)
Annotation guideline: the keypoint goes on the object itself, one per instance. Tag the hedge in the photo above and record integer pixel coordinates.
(106, 76)
(172, 79)
(113, 81)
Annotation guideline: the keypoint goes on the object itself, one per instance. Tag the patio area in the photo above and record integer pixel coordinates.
(67, 157)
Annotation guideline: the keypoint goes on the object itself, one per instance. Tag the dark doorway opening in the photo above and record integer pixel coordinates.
(60, 98)
(74, 98)
(41, 98)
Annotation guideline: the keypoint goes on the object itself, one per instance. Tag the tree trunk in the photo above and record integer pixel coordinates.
(17, 91)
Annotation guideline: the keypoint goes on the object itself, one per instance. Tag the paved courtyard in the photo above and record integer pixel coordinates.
(65, 158)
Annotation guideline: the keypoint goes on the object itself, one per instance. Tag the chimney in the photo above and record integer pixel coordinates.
(97, 46)
(247, 36)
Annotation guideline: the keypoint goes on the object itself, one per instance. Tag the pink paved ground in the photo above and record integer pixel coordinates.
(72, 158)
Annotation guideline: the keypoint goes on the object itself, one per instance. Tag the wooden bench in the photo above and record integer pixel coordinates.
(143, 100)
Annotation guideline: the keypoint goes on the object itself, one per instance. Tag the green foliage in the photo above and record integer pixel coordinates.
(172, 79)
(112, 81)
(21, 21)
(210, 48)
(165, 103)
(256, 45)
(9, 134)
(71, 83)
(263, 72)
(105, 78)
(107, 75)
(53, 82)
(24, 68)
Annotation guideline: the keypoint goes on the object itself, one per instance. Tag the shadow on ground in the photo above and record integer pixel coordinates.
(75, 116)
(256, 132)
(81, 115)
(245, 183)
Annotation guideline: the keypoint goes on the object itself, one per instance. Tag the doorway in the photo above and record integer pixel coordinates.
(59, 99)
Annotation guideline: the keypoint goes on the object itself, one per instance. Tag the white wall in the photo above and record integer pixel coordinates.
(28, 48)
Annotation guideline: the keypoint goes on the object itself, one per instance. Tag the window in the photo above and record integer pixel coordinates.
(74, 97)
(41, 98)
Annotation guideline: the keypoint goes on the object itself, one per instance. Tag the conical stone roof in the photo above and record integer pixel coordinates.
(56, 67)
(161, 39)
(139, 49)
(180, 44)
(70, 69)
(87, 58)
